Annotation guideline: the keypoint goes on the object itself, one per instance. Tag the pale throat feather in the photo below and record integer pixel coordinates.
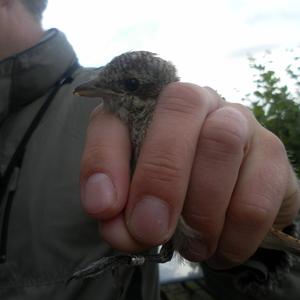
(136, 114)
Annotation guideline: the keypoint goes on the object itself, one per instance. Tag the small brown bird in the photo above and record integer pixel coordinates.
(129, 86)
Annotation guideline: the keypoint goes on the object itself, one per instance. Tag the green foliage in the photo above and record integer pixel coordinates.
(277, 105)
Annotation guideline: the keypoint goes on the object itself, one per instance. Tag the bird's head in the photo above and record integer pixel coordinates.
(139, 73)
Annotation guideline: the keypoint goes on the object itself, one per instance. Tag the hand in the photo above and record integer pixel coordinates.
(204, 158)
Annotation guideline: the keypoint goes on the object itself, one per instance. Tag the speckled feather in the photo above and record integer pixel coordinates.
(135, 107)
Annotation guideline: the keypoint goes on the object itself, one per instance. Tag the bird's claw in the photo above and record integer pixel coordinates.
(113, 262)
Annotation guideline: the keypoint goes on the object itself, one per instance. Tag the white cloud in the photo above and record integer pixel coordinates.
(207, 40)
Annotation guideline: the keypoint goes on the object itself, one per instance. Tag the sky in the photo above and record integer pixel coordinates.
(208, 41)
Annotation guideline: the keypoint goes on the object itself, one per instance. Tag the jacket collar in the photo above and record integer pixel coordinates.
(28, 75)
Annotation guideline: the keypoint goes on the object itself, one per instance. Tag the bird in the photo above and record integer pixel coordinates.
(129, 86)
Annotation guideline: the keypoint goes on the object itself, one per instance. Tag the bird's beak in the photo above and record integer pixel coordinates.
(88, 89)
(93, 89)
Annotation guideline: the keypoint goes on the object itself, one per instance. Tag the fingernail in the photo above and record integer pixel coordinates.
(149, 221)
(99, 193)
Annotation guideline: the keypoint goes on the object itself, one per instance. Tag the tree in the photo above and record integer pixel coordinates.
(277, 105)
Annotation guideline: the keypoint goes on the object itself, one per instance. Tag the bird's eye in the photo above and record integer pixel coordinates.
(131, 84)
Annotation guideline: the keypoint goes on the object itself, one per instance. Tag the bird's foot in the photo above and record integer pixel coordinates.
(113, 262)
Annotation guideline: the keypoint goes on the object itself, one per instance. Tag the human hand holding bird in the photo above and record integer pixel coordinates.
(131, 86)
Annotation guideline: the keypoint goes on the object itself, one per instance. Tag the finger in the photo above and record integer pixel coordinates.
(162, 174)
(115, 232)
(291, 202)
(220, 152)
(105, 166)
(255, 202)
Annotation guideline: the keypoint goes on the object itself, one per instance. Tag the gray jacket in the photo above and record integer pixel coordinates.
(48, 236)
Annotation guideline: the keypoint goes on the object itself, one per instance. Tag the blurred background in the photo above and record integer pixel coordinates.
(248, 50)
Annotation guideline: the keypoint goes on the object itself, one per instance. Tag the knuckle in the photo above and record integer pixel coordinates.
(244, 110)
(225, 134)
(179, 99)
(253, 215)
(161, 167)
(274, 146)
